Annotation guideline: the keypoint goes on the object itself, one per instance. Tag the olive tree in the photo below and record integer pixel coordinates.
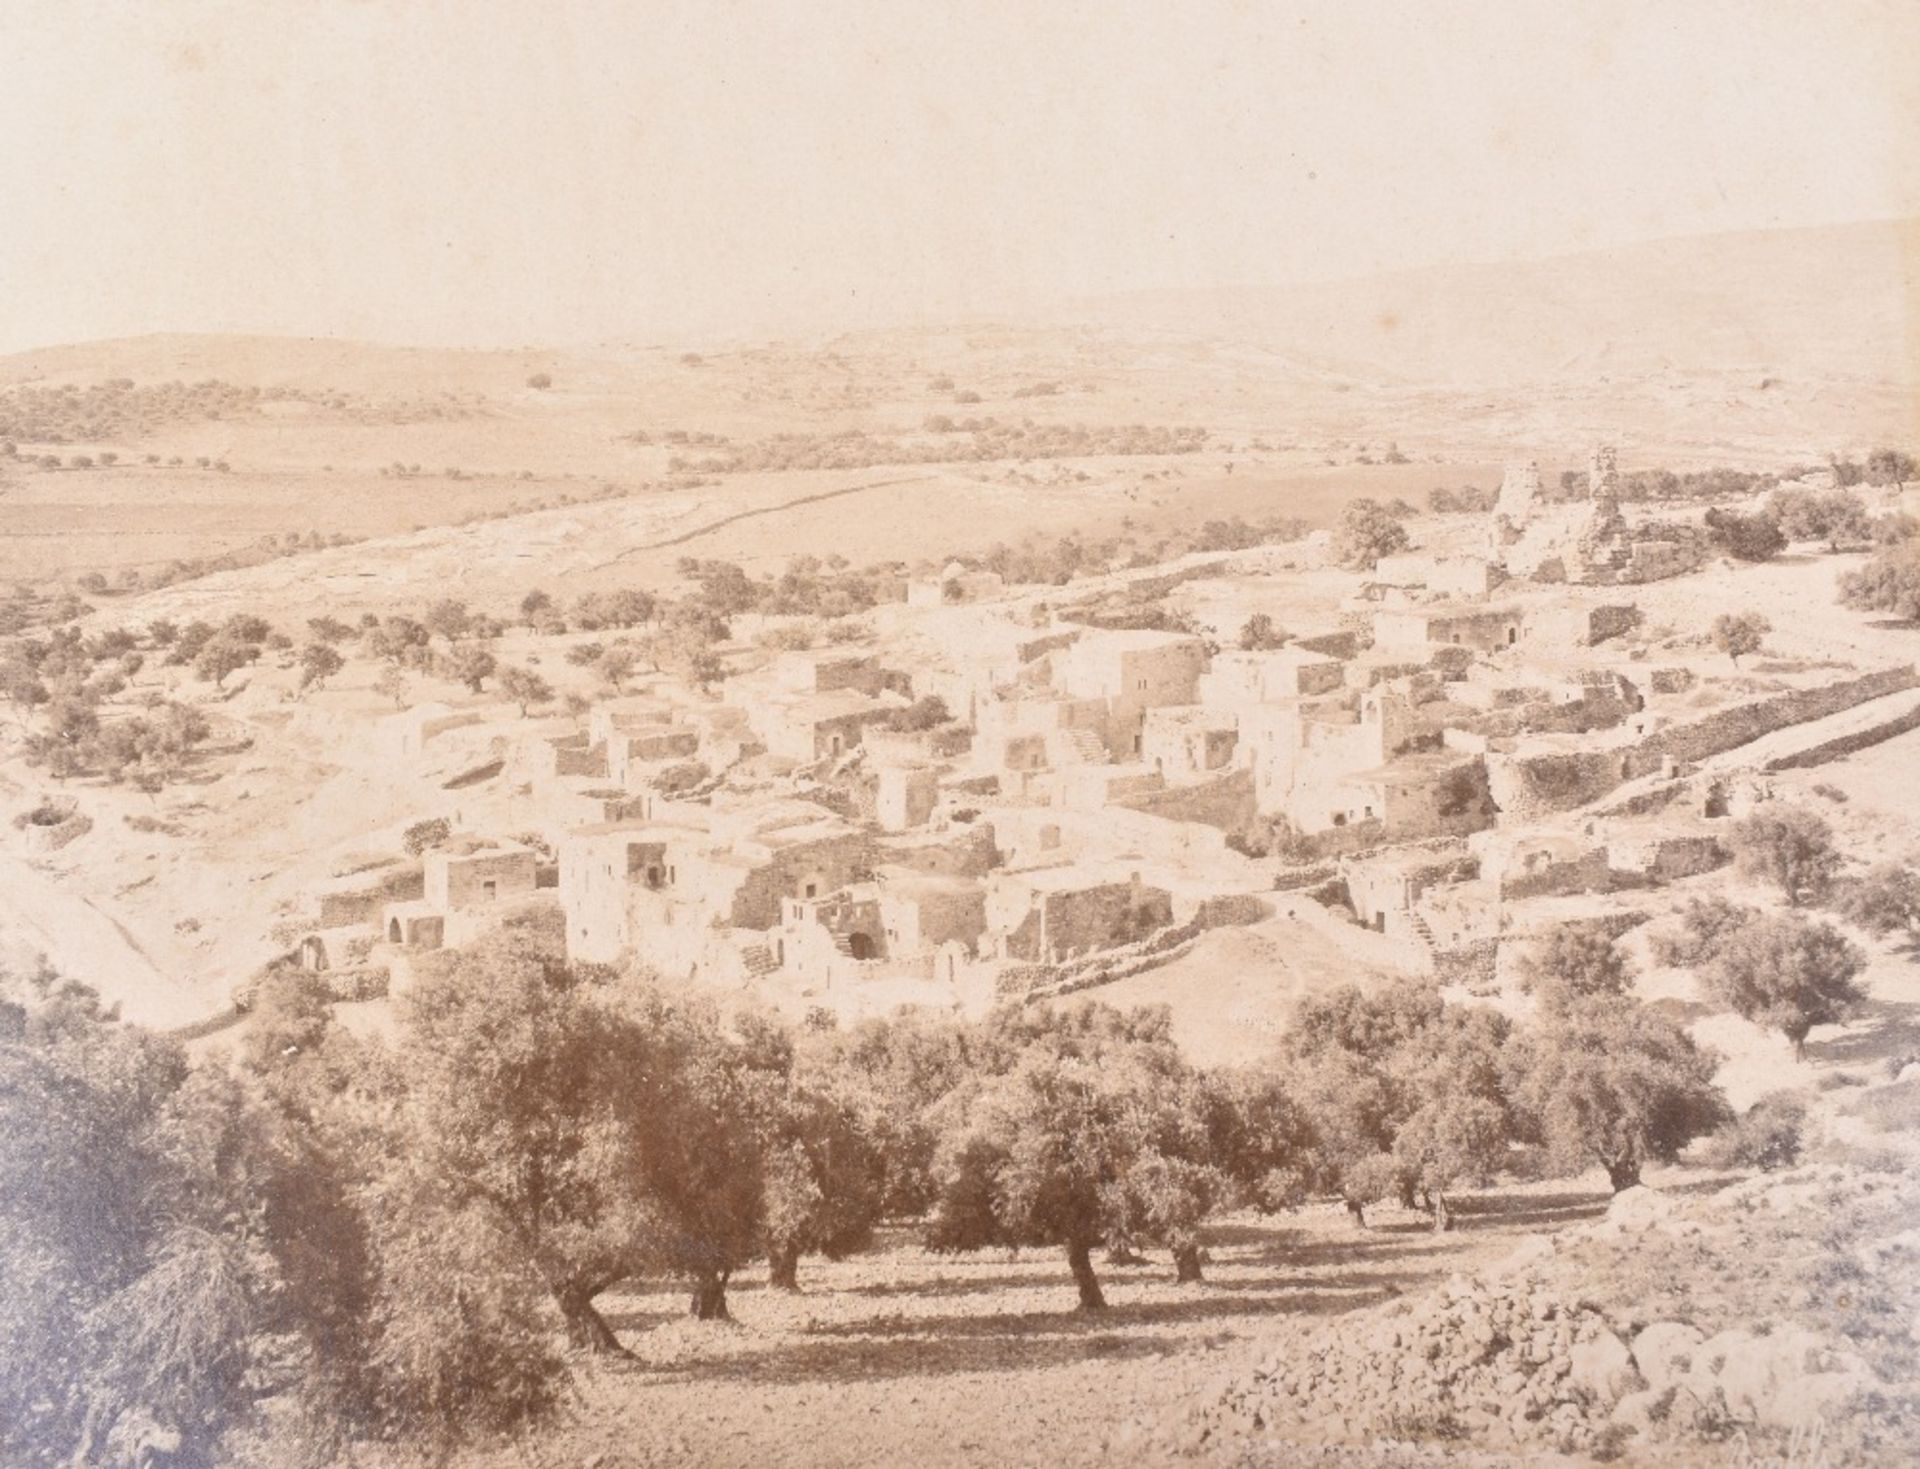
(1367, 531)
(1889, 582)
(1788, 974)
(318, 663)
(1611, 1082)
(1073, 1135)
(1739, 633)
(523, 686)
(1790, 847)
(534, 1094)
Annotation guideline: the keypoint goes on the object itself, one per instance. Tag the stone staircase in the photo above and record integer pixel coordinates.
(1087, 747)
(759, 961)
(1424, 929)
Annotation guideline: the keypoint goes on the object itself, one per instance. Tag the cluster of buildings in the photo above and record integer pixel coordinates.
(1458, 736)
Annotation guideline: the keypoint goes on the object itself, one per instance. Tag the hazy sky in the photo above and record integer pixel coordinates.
(503, 172)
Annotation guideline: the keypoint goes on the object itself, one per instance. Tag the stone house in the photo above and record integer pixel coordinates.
(920, 912)
(1039, 731)
(632, 751)
(1241, 677)
(1098, 787)
(627, 711)
(1425, 794)
(1187, 742)
(414, 925)
(1567, 626)
(1413, 630)
(831, 670)
(412, 731)
(905, 796)
(659, 893)
(1300, 752)
(548, 757)
(1384, 888)
(463, 889)
(1132, 671)
(478, 874)
(358, 898)
(1051, 914)
(1536, 863)
(1409, 578)
(813, 726)
(968, 656)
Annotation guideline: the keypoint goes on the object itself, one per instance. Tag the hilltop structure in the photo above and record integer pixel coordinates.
(1584, 539)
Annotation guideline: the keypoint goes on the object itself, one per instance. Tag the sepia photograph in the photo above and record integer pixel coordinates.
(1004, 734)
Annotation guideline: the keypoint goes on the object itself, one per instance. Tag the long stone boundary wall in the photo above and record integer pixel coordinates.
(1726, 729)
(210, 1025)
(1049, 981)
(1524, 785)
(1843, 745)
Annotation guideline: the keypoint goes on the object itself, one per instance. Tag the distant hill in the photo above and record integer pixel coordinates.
(1829, 302)
(1729, 349)
(305, 363)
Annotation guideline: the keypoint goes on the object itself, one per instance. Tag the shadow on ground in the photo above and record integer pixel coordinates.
(1885, 1029)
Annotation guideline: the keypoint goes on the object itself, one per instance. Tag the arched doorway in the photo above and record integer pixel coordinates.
(860, 945)
(393, 931)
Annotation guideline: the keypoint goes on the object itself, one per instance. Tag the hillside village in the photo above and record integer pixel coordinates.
(991, 790)
(1104, 737)
(1407, 755)
(1456, 750)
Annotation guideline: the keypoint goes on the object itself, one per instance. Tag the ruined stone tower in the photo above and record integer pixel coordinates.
(1603, 475)
(1519, 491)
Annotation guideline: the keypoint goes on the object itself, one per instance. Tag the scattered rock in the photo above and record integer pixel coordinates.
(1642, 1410)
(1603, 1370)
(1665, 1352)
(1638, 1209)
(1786, 1378)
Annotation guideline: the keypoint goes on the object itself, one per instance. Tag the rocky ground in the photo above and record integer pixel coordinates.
(1773, 1320)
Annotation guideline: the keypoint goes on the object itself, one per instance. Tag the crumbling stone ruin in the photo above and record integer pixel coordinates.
(1585, 540)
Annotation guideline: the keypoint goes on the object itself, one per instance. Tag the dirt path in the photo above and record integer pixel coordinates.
(759, 510)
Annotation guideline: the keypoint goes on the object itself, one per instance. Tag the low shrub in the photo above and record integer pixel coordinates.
(1769, 1135)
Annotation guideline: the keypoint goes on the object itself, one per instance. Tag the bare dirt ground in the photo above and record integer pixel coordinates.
(1231, 995)
(902, 1357)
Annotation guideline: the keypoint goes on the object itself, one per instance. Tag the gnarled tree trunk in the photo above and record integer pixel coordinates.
(710, 1298)
(587, 1329)
(1186, 1263)
(1442, 1215)
(1358, 1210)
(1623, 1173)
(1080, 1261)
(783, 1267)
